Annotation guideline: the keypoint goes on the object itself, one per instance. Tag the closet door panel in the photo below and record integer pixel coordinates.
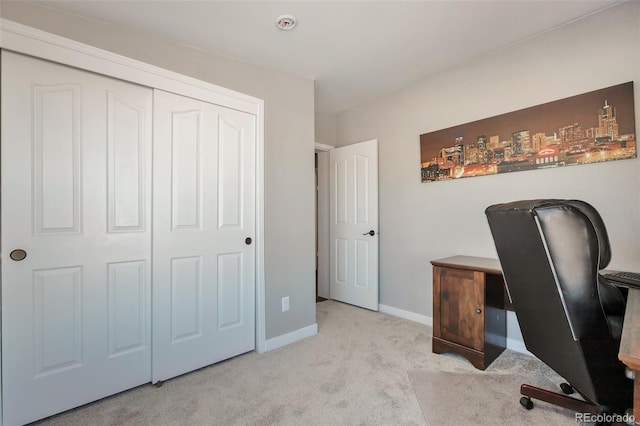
(126, 165)
(186, 169)
(75, 193)
(56, 157)
(127, 307)
(204, 280)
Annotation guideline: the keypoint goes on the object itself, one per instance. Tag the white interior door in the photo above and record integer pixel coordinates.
(75, 188)
(203, 232)
(353, 224)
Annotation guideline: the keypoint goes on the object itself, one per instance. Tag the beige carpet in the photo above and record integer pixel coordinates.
(482, 399)
(354, 372)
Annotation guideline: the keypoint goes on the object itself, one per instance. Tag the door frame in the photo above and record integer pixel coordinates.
(40, 44)
(322, 223)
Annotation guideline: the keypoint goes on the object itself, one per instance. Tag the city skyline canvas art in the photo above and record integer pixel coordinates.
(588, 128)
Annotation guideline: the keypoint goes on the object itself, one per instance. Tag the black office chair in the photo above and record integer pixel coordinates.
(551, 252)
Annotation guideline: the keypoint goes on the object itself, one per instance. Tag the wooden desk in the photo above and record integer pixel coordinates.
(467, 292)
(630, 346)
(469, 308)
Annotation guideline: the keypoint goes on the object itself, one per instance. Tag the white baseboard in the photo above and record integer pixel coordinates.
(411, 316)
(294, 336)
(518, 346)
(513, 344)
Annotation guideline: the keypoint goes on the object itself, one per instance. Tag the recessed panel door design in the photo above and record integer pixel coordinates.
(353, 227)
(461, 304)
(203, 234)
(76, 185)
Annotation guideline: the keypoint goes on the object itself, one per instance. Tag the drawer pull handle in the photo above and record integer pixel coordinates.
(478, 311)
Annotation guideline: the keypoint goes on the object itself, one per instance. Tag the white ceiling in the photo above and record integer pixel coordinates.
(356, 51)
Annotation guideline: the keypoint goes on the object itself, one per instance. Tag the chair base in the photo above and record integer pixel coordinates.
(559, 399)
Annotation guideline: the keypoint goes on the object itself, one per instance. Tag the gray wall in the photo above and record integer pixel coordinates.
(323, 223)
(289, 146)
(424, 221)
(325, 128)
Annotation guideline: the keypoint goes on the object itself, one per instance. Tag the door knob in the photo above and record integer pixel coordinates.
(478, 311)
(18, 255)
(248, 241)
(372, 233)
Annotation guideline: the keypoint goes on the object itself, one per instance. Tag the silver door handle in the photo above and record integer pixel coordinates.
(18, 255)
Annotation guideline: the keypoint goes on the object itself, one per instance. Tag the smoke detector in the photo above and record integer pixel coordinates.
(286, 22)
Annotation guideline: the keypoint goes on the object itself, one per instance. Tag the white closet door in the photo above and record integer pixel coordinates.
(75, 176)
(203, 232)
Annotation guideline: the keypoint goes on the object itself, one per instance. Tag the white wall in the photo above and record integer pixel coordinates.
(289, 146)
(424, 221)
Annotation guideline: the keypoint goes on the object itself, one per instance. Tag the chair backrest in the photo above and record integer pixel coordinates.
(551, 252)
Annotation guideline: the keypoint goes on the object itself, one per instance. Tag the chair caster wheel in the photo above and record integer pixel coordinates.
(526, 402)
(566, 388)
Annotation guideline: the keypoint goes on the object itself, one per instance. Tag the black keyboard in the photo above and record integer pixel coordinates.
(627, 279)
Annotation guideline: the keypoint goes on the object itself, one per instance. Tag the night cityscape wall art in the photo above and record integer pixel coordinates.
(589, 128)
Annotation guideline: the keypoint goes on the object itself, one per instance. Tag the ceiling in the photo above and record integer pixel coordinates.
(355, 51)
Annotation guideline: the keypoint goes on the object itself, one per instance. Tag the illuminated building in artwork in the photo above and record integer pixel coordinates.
(552, 140)
(607, 123)
(453, 155)
(472, 153)
(494, 142)
(483, 154)
(482, 142)
(521, 142)
(539, 141)
(570, 133)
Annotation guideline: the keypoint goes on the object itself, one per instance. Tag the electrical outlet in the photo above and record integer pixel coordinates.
(285, 304)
